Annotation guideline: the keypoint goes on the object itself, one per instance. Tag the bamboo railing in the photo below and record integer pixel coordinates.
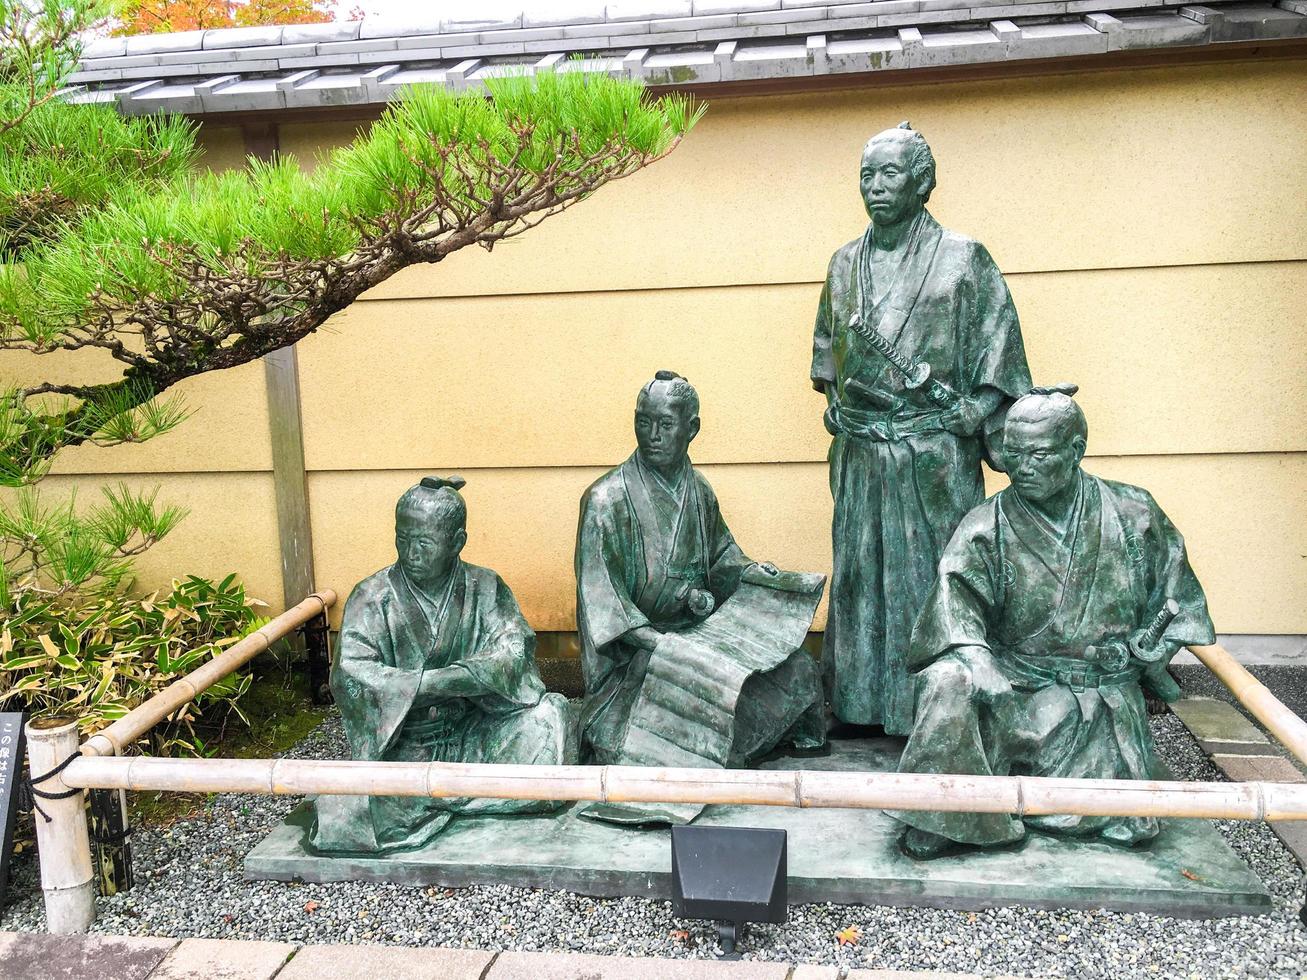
(65, 849)
(1022, 795)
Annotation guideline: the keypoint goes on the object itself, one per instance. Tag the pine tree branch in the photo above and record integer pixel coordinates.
(228, 269)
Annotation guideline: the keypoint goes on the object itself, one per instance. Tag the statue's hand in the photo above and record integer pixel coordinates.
(431, 688)
(644, 637)
(828, 419)
(966, 417)
(986, 679)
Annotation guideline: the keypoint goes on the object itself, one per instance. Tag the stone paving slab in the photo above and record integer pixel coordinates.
(835, 855)
(80, 957)
(348, 962)
(223, 959)
(581, 966)
(1220, 727)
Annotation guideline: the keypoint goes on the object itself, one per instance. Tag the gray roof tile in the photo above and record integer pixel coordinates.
(665, 42)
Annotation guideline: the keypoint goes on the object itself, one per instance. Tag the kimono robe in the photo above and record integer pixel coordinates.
(391, 633)
(900, 482)
(641, 545)
(1037, 597)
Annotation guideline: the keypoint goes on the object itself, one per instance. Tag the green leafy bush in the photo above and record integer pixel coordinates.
(73, 638)
(95, 657)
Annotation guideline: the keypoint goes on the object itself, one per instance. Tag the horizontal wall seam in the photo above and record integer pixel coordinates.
(607, 464)
(815, 283)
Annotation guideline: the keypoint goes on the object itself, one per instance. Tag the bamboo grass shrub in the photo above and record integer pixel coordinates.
(74, 640)
(211, 271)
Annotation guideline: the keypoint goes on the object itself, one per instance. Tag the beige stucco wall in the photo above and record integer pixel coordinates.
(1152, 223)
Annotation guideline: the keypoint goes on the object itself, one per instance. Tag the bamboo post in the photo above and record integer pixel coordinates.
(62, 841)
(1253, 695)
(797, 788)
(131, 726)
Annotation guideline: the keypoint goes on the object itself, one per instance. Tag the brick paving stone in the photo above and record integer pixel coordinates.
(577, 966)
(1258, 768)
(223, 959)
(36, 954)
(347, 962)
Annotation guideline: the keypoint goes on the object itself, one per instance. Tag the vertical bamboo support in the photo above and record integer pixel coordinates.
(67, 878)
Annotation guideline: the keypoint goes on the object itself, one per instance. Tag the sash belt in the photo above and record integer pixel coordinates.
(1078, 675)
(884, 426)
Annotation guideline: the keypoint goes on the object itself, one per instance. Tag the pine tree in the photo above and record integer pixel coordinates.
(112, 240)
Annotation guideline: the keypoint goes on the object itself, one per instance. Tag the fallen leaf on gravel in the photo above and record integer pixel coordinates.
(310, 906)
(849, 936)
(1190, 875)
(1064, 938)
(680, 935)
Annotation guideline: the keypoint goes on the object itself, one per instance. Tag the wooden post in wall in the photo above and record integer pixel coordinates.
(290, 483)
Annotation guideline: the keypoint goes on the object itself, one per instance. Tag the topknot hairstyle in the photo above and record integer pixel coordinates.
(679, 390)
(438, 496)
(920, 160)
(1052, 402)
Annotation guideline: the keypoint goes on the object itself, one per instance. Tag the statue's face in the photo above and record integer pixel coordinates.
(889, 190)
(426, 545)
(1041, 460)
(663, 432)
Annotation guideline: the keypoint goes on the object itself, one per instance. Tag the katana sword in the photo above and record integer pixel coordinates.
(916, 374)
(1148, 647)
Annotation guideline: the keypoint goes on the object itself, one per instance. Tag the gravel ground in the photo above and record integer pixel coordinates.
(188, 883)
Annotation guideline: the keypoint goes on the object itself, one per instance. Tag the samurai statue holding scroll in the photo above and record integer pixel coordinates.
(435, 664)
(691, 651)
(1059, 600)
(918, 351)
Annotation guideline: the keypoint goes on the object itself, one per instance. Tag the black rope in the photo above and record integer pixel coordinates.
(33, 792)
(113, 837)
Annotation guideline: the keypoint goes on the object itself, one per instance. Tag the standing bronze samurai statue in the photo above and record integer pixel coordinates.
(918, 351)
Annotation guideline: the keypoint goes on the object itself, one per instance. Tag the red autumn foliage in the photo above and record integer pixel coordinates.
(167, 16)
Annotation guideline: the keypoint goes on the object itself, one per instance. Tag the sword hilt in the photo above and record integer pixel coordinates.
(915, 375)
(1148, 646)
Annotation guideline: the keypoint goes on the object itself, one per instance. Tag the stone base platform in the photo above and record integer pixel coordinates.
(843, 856)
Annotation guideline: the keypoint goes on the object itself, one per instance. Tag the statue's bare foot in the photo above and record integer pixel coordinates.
(923, 845)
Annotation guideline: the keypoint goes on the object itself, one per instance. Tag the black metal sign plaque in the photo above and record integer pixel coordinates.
(12, 744)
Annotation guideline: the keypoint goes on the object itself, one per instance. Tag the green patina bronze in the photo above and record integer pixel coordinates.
(918, 350)
(1058, 600)
(690, 650)
(435, 663)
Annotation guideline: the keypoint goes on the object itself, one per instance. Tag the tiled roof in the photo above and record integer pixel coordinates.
(663, 42)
